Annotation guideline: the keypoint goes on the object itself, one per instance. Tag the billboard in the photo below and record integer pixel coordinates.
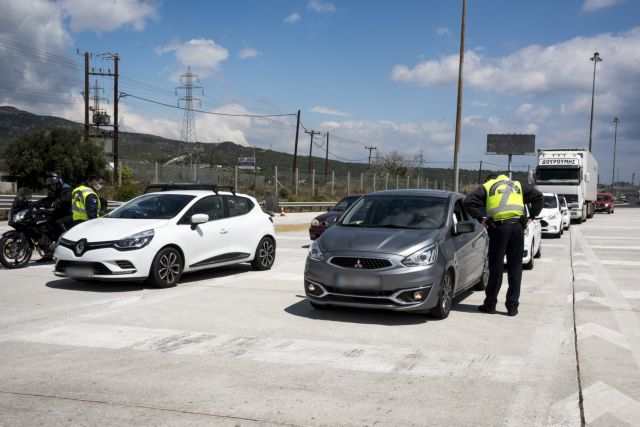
(511, 144)
(247, 163)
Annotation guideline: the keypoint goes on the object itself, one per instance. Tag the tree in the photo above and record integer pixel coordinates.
(393, 163)
(61, 150)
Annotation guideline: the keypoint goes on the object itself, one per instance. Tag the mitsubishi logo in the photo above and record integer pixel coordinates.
(358, 264)
(80, 247)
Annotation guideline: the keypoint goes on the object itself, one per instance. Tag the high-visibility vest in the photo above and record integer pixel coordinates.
(79, 202)
(504, 198)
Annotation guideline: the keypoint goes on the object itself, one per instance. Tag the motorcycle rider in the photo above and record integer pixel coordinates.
(85, 202)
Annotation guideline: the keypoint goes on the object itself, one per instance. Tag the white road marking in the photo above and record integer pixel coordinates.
(586, 276)
(628, 248)
(545, 259)
(580, 263)
(599, 399)
(613, 237)
(391, 360)
(587, 296)
(594, 330)
(553, 245)
(621, 263)
(631, 294)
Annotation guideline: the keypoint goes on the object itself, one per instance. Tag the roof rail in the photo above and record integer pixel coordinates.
(153, 188)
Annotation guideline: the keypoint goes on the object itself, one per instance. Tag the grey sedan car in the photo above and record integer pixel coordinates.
(405, 250)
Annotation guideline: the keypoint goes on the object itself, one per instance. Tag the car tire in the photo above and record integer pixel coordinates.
(265, 254)
(559, 234)
(166, 268)
(445, 297)
(484, 278)
(529, 265)
(320, 306)
(539, 253)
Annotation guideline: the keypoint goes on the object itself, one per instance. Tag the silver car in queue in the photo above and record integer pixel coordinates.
(404, 250)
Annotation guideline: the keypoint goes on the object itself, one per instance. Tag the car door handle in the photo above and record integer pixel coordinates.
(223, 231)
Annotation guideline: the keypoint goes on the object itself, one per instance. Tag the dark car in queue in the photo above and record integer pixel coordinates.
(404, 250)
(325, 220)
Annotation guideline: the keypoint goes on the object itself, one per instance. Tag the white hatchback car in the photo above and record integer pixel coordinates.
(158, 236)
(566, 214)
(532, 243)
(551, 216)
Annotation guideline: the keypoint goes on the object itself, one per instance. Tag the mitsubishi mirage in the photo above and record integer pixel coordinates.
(158, 236)
(404, 250)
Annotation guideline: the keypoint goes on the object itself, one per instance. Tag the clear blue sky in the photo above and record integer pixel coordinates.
(368, 72)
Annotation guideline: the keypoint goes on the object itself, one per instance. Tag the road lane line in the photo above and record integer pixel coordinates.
(620, 262)
(627, 248)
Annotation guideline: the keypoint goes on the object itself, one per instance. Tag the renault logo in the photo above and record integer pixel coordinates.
(358, 264)
(80, 247)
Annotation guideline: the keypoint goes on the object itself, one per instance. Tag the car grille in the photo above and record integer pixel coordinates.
(364, 263)
(97, 267)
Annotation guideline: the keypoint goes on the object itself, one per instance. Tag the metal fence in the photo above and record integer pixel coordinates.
(305, 185)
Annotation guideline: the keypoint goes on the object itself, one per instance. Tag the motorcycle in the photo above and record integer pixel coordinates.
(34, 229)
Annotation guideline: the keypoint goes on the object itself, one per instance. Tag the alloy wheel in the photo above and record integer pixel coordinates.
(169, 267)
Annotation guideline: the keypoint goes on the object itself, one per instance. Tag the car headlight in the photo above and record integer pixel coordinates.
(135, 241)
(425, 256)
(552, 217)
(19, 215)
(315, 223)
(315, 253)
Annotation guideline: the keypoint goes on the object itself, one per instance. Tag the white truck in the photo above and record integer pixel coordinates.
(572, 173)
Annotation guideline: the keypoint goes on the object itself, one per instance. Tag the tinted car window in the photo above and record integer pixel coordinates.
(343, 204)
(550, 202)
(238, 205)
(211, 206)
(418, 212)
(152, 206)
(604, 198)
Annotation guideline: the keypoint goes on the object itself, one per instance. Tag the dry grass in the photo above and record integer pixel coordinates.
(291, 227)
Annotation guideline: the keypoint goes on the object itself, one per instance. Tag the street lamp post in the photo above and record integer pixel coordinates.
(596, 58)
(613, 171)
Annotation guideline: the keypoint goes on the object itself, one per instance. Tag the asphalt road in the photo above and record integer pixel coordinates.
(238, 347)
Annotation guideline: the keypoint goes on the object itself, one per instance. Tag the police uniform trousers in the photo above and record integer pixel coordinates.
(505, 239)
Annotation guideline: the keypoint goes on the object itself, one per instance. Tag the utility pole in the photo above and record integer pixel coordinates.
(615, 138)
(326, 158)
(188, 133)
(116, 167)
(456, 150)
(86, 97)
(370, 150)
(295, 148)
(596, 58)
(312, 132)
(480, 173)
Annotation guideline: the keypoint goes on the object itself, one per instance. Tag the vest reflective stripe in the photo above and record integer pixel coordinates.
(504, 198)
(79, 202)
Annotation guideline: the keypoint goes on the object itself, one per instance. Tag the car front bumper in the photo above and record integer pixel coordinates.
(389, 288)
(551, 227)
(104, 264)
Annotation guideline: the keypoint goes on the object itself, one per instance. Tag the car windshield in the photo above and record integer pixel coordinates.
(153, 206)
(343, 204)
(550, 202)
(603, 198)
(557, 176)
(414, 212)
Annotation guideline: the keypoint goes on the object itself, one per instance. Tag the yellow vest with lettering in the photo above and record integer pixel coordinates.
(79, 202)
(504, 198)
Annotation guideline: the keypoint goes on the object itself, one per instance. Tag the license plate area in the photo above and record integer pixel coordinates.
(359, 282)
(79, 271)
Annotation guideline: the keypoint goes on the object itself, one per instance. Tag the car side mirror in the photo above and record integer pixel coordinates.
(564, 209)
(198, 219)
(464, 227)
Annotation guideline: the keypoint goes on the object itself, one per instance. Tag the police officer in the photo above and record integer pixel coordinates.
(85, 202)
(503, 201)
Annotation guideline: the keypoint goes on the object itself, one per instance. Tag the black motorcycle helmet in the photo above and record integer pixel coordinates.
(53, 182)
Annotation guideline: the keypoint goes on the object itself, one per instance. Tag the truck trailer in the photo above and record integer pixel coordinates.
(572, 173)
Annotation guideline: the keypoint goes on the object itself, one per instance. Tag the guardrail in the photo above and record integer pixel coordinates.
(304, 205)
(6, 200)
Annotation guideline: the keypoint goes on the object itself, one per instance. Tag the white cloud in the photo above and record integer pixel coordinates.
(203, 55)
(324, 110)
(443, 31)
(248, 52)
(321, 6)
(293, 18)
(109, 15)
(592, 5)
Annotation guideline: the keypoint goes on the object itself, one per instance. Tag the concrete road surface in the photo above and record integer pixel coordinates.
(238, 347)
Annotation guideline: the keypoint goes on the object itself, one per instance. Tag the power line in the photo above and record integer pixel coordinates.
(124, 94)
